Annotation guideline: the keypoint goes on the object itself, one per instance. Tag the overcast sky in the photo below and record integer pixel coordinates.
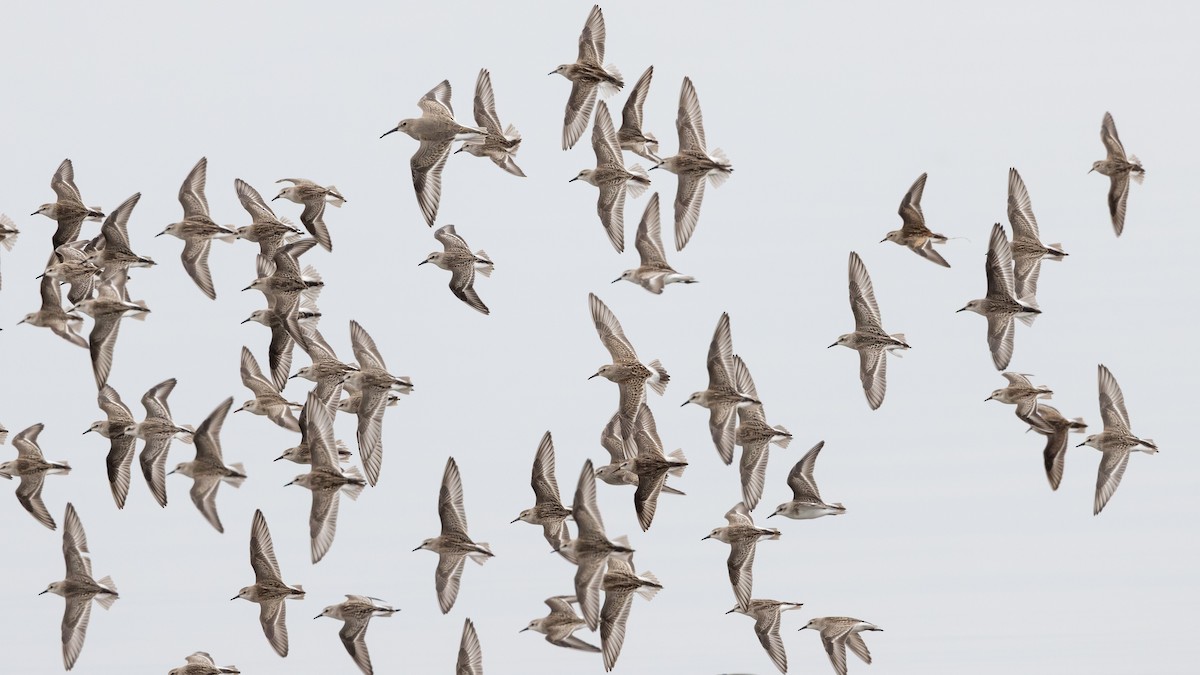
(952, 541)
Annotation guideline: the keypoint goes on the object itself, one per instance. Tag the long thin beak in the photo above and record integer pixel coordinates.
(593, 376)
(831, 346)
(246, 289)
(1089, 171)
(685, 403)
(802, 627)
(171, 472)
(464, 147)
(708, 537)
(317, 616)
(882, 240)
(987, 399)
(40, 275)
(161, 233)
(294, 376)
(47, 590)
(573, 179)
(273, 199)
(87, 432)
(288, 483)
(655, 167)
(422, 263)
(772, 515)
(246, 321)
(21, 322)
(277, 458)
(616, 280)
(513, 521)
(732, 611)
(240, 409)
(527, 627)
(34, 214)
(234, 598)
(960, 310)
(549, 73)
(390, 132)
(1081, 445)
(417, 549)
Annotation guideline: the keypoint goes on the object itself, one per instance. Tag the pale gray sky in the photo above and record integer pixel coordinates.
(952, 540)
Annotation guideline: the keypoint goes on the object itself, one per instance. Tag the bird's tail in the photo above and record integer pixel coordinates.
(638, 182)
(106, 600)
(482, 556)
(724, 168)
(1138, 173)
(239, 478)
(1056, 252)
(658, 381)
(333, 197)
(680, 462)
(484, 268)
(609, 88)
(186, 432)
(651, 587)
(784, 437)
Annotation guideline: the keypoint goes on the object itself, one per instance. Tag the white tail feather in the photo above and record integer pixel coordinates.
(353, 490)
(480, 558)
(649, 591)
(333, 197)
(186, 435)
(658, 381)
(785, 439)
(640, 181)
(677, 456)
(511, 134)
(608, 88)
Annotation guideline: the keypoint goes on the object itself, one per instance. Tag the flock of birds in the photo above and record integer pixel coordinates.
(96, 273)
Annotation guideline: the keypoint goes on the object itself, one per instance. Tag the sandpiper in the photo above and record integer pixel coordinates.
(588, 76)
(613, 179)
(1119, 169)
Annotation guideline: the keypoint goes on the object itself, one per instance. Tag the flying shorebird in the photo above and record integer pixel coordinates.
(1021, 393)
(806, 502)
(592, 548)
(201, 663)
(267, 401)
(453, 545)
(208, 470)
(121, 445)
(613, 179)
(1056, 429)
(157, 429)
(1001, 305)
(268, 590)
(32, 468)
(286, 286)
(436, 129)
(755, 436)
(620, 584)
(313, 197)
(692, 164)
(470, 656)
(651, 465)
(869, 339)
(766, 615)
(722, 397)
(71, 265)
(631, 135)
(500, 144)
(325, 479)
(743, 536)
(107, 309)
(116, 258)
(79, 588)
(588, 76)
(654, 273)
(325, 370)
(374, 384)
(548, 510)
(52, 315)
(1116, 441)
(615, 473)
(914, 234)
(69, 210)
(560, 624)
(1027, 247)
(630, 376)
(1119, 169)
(266, 229)
(462, 264)
(356, 613)
(279, 352)
(838, 633)
(197, 229)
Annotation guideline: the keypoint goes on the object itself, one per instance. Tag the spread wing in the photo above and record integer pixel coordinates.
(688, 121)
(862, 297)
(1020, 209)
(689, 195)
(545, 487)
(262, 553)
(273, 616)
(610, 331)
(470, 656)
(204, 496)
(322, 522)
(191, 193)
(116, 227)
(613, 617)
(585, 510)
(354, 637)
(485, 104)
(910, 208)
(604, 138)
(1112, 142)
(631, 114)
(76, 614)
(1112, 403)
(364, 348)
(1118, 197)
(872, 372)
(766, 627)
(999, 266)
(801, 480)
(207, 436)
(155, 400)
(741, 570)
(26, 442)
(63, 183)
(436, 102)
(1108, 477)
(450, 501)
(1000, 339)
(447, 578)
(75, 546)
(252, 376)
(591, 39)
(427, 165)
(253, 202)
(649, 236)
(29, 494)
(462, 284)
